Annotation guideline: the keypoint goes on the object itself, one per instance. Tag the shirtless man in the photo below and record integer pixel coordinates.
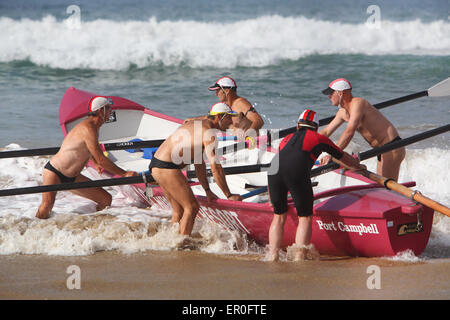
(80, 145)
(248, 120)
(184, 146)
(361, 116)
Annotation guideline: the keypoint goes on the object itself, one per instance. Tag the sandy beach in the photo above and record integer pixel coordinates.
(184, 275)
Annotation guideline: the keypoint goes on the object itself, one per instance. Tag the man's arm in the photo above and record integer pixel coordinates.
(200, 171)
(333, 125)
(91, 140)
(354, 121)
(216, 168)
(328, 131)
(349, 162)
(195, 118)
(243, 105)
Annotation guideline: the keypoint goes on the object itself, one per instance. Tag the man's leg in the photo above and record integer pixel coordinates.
(48, 198)
(303, 237)
(177, 209)
(389, 166)
(276, 233)
(98, 195)
(177, 190)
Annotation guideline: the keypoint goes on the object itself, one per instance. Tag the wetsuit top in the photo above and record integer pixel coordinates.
(302, 148)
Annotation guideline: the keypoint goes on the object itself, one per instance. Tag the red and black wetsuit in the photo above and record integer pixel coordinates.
(297, 154)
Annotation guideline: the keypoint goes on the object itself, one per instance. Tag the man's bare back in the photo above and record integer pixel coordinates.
(373, 126)
(185, 146)
(74, 154)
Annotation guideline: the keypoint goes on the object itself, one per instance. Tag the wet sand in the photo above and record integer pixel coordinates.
(188, 275)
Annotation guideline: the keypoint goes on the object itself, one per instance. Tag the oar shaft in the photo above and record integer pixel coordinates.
(381, 105)
(72, 185)
(404, 142)
(28, 152)
(386, 148)
(117, 181)
(394, 186)
(108, 147)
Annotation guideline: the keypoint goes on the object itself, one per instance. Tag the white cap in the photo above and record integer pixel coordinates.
(338, 85)
(98, 103)
(224, 82)
(309, 117)
(220, 108)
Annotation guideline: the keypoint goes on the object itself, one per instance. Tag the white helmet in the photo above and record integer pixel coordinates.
(340, 84)
(97, 103)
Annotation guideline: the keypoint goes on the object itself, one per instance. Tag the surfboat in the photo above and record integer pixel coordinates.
(352, 215)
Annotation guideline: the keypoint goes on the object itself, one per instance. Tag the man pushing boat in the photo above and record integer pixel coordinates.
(78, 147)
(297, 154)
(188, 144)
(361, 116)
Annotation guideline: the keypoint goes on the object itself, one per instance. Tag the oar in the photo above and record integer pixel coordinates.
(441, 89)
(414, 195)
(366, 154)
(107, 146)
(386, 148)
(118, 181)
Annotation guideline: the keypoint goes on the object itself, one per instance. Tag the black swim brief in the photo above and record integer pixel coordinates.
(252, 109)
(63, 178)
(156, 163)
(397, 138)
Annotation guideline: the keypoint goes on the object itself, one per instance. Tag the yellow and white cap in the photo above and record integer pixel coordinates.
(221, 108)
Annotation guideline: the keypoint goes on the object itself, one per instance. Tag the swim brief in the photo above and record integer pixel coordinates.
(156, 163)
(63, 178)
(397, 138)
(252, 109)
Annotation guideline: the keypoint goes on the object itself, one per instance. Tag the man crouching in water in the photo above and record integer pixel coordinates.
(181, 148)
(80, 145)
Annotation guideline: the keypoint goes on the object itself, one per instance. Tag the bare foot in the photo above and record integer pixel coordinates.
(300, 254)
(273, 255)
(41, 215)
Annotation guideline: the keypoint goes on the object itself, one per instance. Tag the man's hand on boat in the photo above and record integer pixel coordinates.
(211, 195)
(130, 174)
(235, 197)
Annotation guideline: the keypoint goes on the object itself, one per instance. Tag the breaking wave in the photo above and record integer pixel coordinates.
(259, 42)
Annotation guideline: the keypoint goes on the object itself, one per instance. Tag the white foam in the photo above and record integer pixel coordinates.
(406, 256)
(259, 42)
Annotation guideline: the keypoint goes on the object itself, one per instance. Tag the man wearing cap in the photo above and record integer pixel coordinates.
(361, 116)
(188, 144)
(248, 119)
(78, 147)
(297, 154)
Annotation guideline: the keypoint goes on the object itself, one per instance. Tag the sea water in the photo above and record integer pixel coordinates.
(164, 55)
